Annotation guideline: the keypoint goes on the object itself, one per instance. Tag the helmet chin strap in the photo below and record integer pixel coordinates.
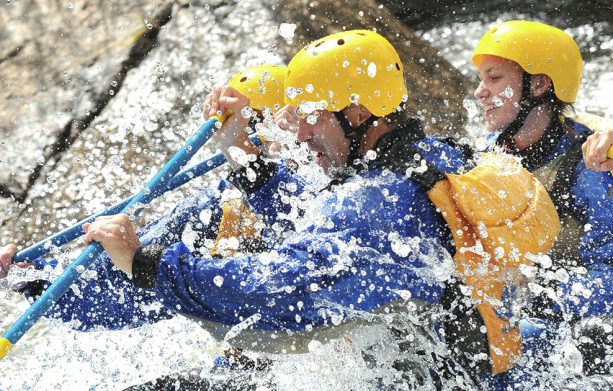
(526, 104)
(354, 134)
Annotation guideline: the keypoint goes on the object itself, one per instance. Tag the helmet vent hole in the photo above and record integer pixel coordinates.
(362, 34)
(397, 66)
(319, 44)
(341, 41)
(243, 79)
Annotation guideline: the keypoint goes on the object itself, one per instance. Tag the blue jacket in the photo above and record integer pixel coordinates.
(360, 253)
(591, 203)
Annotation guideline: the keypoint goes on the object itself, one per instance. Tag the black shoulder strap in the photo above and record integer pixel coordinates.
(427, 178)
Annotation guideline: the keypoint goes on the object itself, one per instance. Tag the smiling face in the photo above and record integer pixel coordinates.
(499, 91)
(326, 140)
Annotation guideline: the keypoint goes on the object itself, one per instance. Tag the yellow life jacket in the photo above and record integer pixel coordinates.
(238, 224)
(498, 213)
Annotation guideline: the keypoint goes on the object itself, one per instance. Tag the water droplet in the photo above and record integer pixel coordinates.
(336, 319)
(218, 281)
(471, 107)
(80, 269)
(355, 99)
(309, 88)
(345, 64)
(404, 294)
(370, 155)
(314, 346)
(314, 287)
(247, 112)
(508, 92)
(372, 70)
(312, 119)
(291, 93)
(40, 160)
(498, 252)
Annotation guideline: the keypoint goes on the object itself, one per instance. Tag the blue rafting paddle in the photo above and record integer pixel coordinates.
(91, 253)
(69, 234)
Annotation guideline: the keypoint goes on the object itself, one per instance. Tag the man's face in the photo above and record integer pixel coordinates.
(325, 138)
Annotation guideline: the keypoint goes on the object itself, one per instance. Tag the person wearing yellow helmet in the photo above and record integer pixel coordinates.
(345, 95)
(530, 74)
(351, 79)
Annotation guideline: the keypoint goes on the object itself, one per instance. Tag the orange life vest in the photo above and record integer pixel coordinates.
(499, 213)
(237, 224)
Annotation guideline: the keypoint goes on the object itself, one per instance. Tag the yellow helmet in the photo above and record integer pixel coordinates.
(262, 84)
(358, 66)
(539, 49)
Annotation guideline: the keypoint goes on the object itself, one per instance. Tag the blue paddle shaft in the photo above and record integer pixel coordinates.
(69, 234)
(63, 283)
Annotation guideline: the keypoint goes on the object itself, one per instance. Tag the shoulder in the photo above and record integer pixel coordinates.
(446, 155)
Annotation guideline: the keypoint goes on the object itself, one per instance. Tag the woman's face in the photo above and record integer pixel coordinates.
(499, 91)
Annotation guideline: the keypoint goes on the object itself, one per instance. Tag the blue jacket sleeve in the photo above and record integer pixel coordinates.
(593, 193)
(591, 293)
(363, 252)
(105, 297)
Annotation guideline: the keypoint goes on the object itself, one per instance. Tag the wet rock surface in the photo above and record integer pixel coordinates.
(59, 65)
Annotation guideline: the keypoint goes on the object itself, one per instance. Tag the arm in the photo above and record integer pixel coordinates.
(105, 297)
(362, 256)
(591, 293)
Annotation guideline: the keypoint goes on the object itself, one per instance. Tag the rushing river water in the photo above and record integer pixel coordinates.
(51, 356)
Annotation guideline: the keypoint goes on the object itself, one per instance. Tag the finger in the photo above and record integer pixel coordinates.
(8, 251)
(600, 150)
(99, 235)
(206, 107)
(585, 150)
(607, 166)
(590, 156)
(214, 101)
(232, 103)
